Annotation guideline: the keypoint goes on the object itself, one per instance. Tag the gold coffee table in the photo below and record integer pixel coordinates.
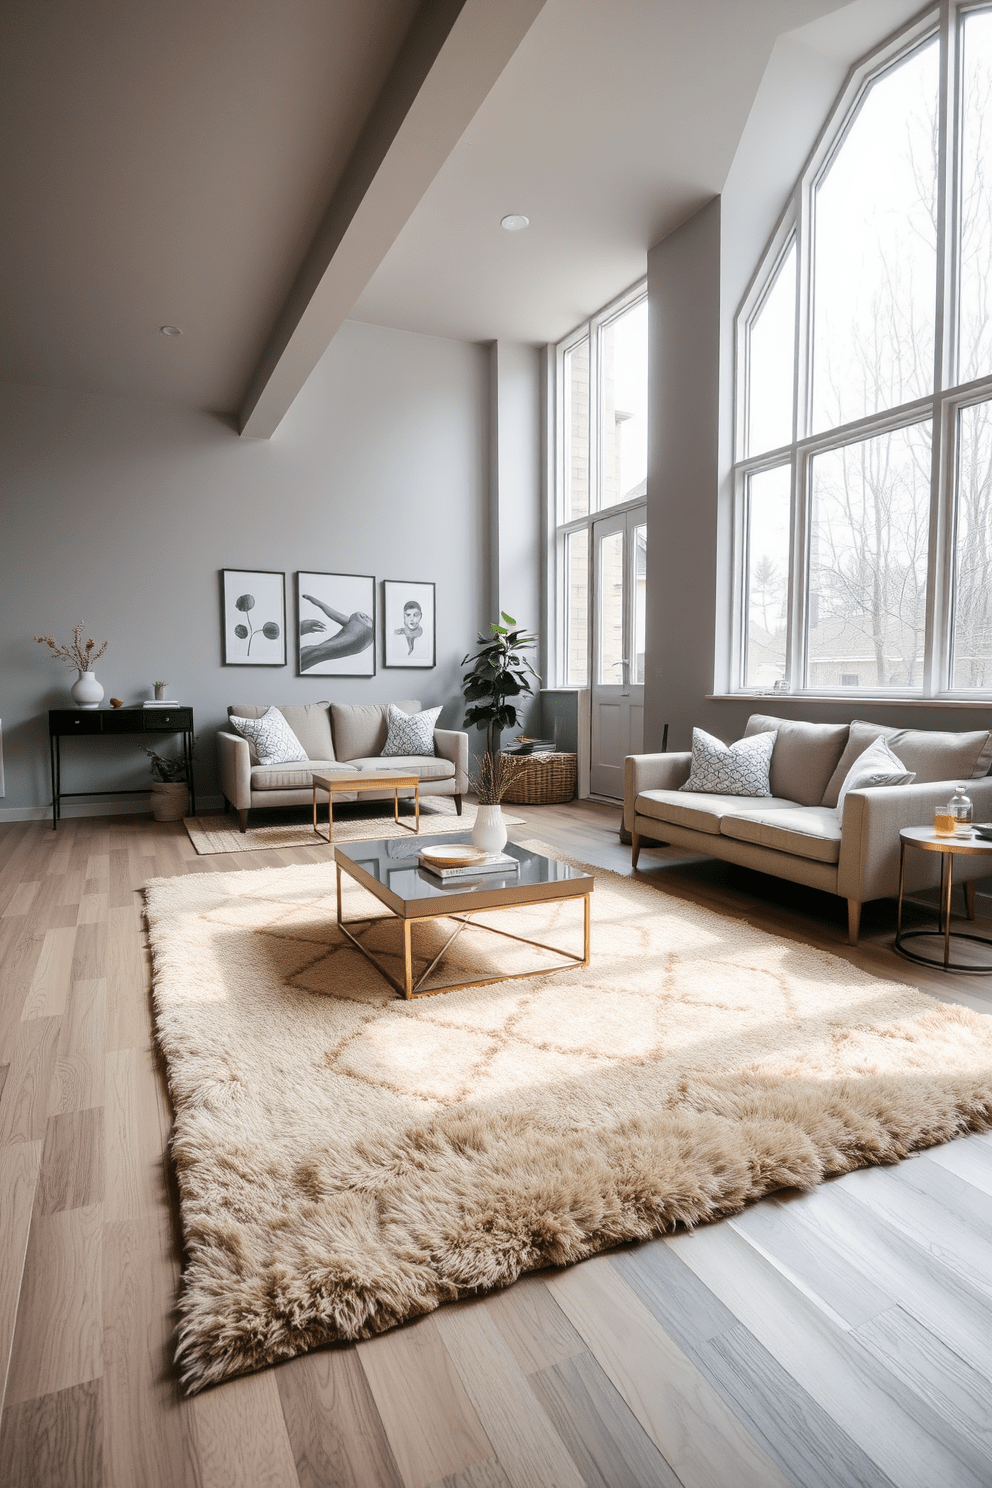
(378, 780)
(926, 839)
(411, 895)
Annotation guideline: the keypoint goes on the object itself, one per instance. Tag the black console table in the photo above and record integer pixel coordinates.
(111, 723)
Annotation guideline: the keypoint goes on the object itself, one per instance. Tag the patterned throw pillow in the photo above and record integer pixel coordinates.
(410, 733)
(876, 766)
(274, 740)
(739, 769)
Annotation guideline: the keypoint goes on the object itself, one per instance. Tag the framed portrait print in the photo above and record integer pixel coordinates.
(408, 638)
(253, 617)
(336, 618)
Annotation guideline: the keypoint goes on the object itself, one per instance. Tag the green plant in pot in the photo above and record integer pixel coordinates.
(169, 786)
(498, 679)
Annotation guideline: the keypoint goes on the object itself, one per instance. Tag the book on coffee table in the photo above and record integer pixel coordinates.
(499, 862)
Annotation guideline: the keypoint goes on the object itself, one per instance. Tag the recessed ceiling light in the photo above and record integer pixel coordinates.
(170, 331)
(515, 223)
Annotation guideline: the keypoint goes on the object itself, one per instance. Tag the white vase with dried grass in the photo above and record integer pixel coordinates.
(490, 784)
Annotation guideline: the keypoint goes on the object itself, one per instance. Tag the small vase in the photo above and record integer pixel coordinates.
(86, 691)
(489, 831)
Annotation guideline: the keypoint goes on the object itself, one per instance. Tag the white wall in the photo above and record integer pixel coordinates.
(121, 513)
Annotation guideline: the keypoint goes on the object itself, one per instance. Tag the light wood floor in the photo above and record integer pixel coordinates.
(835, 1338)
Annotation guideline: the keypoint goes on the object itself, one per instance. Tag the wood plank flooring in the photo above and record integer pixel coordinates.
(823, 1340)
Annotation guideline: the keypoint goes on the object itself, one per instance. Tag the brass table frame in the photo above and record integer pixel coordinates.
(409, 988)
(385, 781)
(927, 840)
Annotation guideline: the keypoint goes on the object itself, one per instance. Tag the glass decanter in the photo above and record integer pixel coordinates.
(962, 810)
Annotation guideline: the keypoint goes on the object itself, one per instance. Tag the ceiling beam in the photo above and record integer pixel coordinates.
(450, 59)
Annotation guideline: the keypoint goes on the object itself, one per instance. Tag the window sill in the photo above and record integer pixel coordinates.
(849, 698)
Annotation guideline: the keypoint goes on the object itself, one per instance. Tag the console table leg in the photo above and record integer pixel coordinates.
(52, 745)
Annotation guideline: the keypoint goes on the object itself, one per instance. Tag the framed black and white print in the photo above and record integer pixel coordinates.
(336, 618)
(253, 617)
(408, 638)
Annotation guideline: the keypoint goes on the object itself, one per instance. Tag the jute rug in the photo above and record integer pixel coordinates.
(373, 821)
(347, 1160)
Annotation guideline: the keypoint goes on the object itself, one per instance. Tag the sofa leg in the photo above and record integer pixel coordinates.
(853, 920)
(243, 819)
(969, 897)
(635, 848)
(458, 805)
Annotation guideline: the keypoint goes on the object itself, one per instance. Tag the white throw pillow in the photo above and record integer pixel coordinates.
(739, 769)
(274, 740)
(410, 733)
(876, 766)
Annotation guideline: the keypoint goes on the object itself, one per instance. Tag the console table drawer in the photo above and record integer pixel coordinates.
(166, 718)
(82, 722)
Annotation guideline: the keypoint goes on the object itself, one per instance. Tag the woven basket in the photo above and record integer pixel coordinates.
(542, 780)
(169, 800)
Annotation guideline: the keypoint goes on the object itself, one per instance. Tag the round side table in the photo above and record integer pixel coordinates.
(926, 839)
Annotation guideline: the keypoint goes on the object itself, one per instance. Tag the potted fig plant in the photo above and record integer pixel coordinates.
(499, 677)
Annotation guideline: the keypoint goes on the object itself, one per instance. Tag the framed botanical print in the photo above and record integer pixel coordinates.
(253, 617)
(336, 616)
(408, 638)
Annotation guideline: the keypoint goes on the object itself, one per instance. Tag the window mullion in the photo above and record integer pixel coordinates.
(795, 644)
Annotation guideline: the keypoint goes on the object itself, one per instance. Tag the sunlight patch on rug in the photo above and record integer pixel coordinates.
(347, 1160)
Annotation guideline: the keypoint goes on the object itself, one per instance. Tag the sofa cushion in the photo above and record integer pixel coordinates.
(360, 728)
(427, 766)
(409, 733)
(310, 722)
(739, 769)
(877, 766)
(931, 754)
(804, 831)
(804, 758)
(273, 739)
(295, 777)
(699, 812)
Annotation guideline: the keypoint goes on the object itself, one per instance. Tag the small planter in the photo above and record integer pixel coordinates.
(169, 800)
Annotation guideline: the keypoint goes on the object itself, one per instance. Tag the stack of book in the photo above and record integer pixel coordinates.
(441, 865)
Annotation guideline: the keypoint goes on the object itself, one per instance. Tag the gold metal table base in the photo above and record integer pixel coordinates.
(408, 988)
(944, 963)
(395, 783)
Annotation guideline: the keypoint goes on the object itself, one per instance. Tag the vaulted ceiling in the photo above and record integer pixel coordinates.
(255, 171)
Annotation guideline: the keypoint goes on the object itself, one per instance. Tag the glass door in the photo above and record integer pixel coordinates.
(619, 628)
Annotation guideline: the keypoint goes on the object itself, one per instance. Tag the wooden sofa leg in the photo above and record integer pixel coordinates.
(635, 848)
(243, 819)
(969, 897)
(853, 920)
(458, 805)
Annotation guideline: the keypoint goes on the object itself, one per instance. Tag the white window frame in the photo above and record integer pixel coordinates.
(943, 21)
(558, 526)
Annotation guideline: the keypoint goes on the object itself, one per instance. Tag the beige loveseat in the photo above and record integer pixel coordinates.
(340, 739)
(795, 832)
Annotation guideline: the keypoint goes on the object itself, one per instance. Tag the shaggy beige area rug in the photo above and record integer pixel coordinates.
(221, 834)
(347, 1160)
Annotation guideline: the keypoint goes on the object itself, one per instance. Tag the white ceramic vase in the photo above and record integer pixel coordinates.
(489, 831)
(86, 691)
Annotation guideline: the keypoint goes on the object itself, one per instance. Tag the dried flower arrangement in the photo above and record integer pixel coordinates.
(494, 777)
(75, 654)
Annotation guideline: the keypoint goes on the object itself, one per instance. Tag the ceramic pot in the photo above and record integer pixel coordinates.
(86, 691)
(489, 831)
(169, 800)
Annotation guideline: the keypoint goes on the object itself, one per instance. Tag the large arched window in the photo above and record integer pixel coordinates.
(864, 420)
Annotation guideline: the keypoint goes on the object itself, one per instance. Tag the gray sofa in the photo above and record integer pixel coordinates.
(340, 739)
(795, 833)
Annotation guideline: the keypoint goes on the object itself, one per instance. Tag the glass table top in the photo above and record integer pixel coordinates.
(393, 863)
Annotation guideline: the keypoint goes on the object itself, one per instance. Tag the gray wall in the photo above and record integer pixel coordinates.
(122, 512)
